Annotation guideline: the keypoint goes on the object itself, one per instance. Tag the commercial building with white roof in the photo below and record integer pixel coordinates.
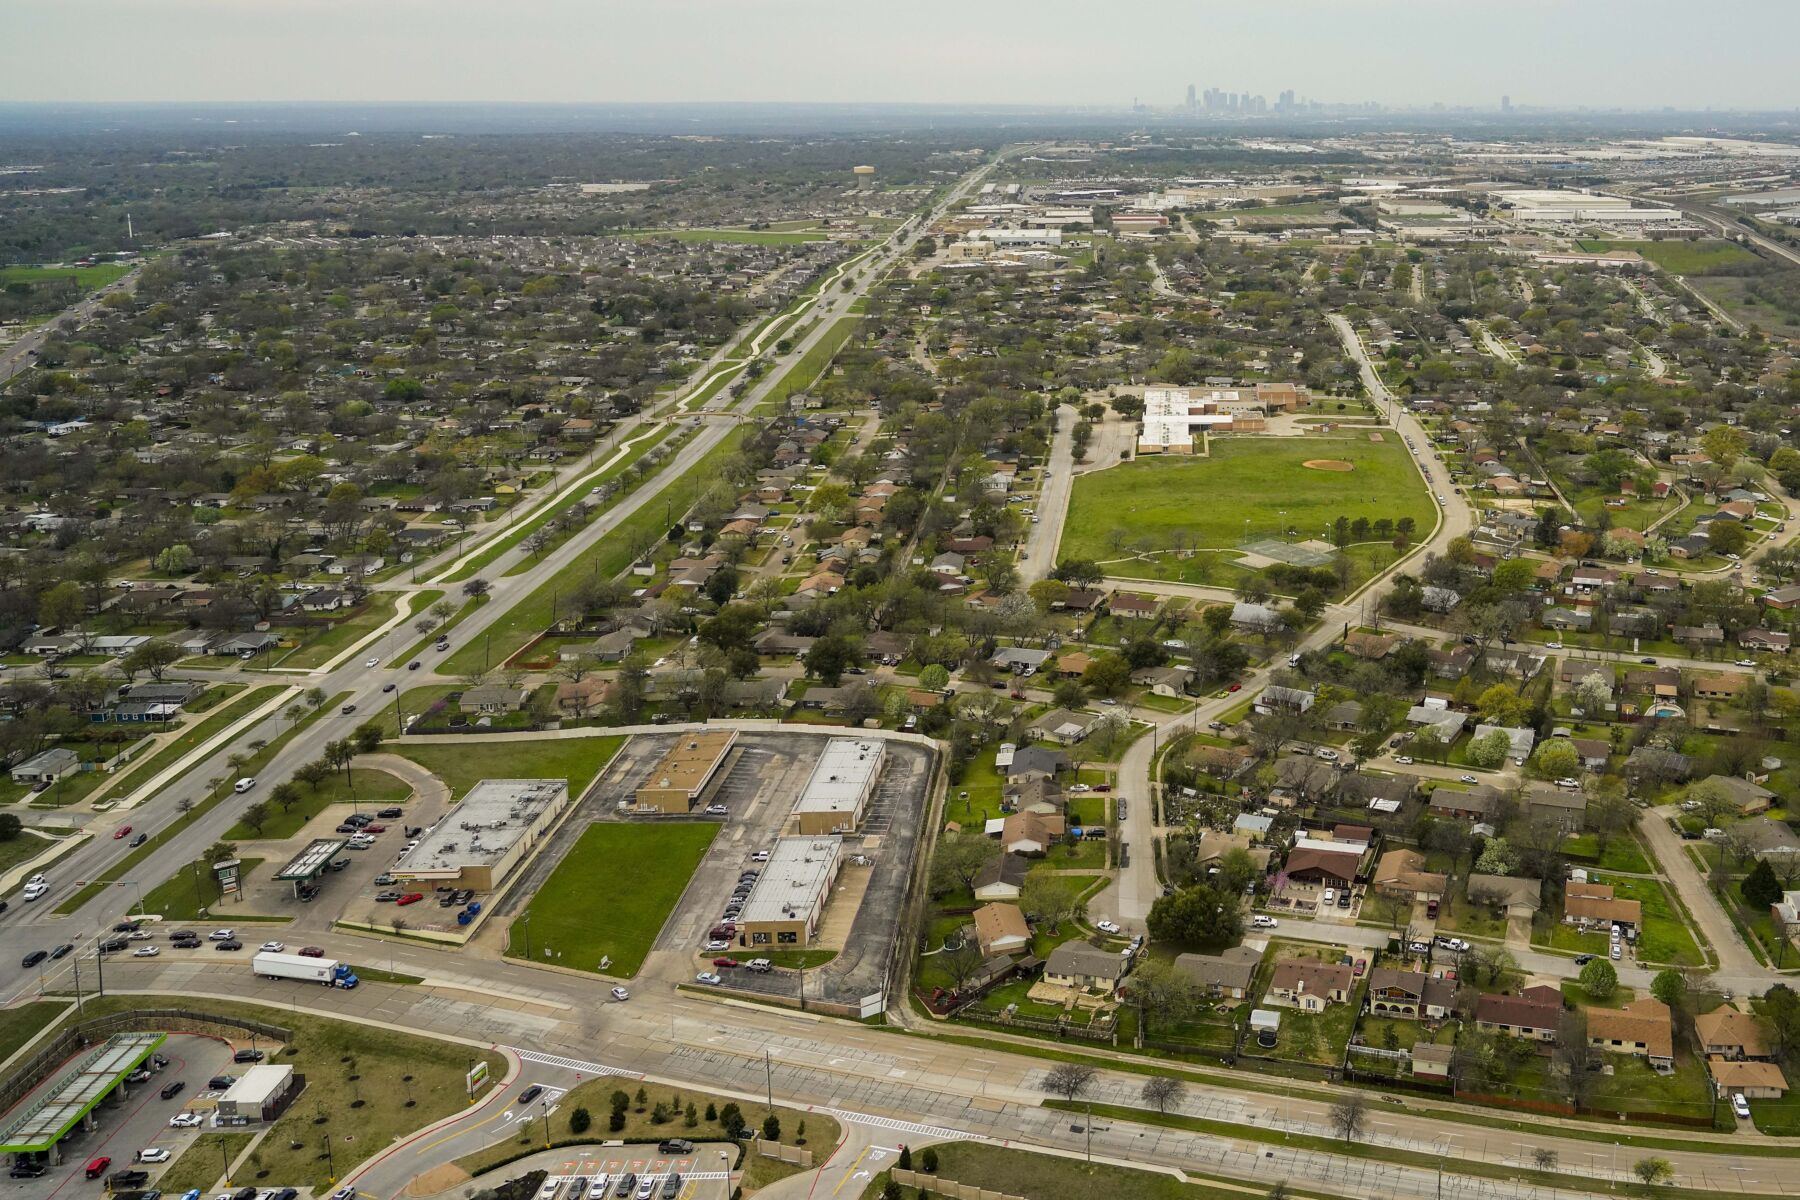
(785, 907)
(481, 841)
(838, 791)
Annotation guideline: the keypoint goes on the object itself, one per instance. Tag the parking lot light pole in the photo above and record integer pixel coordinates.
(225, 1157)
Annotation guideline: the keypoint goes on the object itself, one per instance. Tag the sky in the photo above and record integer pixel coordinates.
(1633, 54)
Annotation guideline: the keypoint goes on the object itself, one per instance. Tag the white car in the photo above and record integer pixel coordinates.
(1554, 645)
(620, 993)
(707, 977)
(145, 952)
(373, 662)
(601, 1185)
(1106, 927)
(221, 935)
(760, 856)
(1467, 779)
(1740, 1106)
(184, 1120)
(1404, 760)
(1261, 922)
(153, 1154)
(274, 947)
(1079, 787)
(243, 785)
(718, 944)
(138, 935)
(550, 1186)
(717, 810)
(1746, 662)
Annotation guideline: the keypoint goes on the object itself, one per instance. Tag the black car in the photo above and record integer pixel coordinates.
(346, 828)
(113, 945)
(172, 1089)
(229, 944)
(388, 814)
(531, 1093)
(219, 1083)
(28, 1170)
(627, 1184)
(675, 1146)
(139, 840)
(63, 950)
(249, 1056)
(34, 958)
(671, 1185)
(413, 665)
(1582, 960)
(125, 927)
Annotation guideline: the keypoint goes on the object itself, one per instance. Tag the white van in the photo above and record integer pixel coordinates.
(244, 784)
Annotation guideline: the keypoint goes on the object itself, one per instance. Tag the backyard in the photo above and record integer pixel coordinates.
(649, 866)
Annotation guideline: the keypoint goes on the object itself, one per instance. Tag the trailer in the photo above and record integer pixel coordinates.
(327, 972)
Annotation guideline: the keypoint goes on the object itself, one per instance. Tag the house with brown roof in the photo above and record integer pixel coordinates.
(1371, 646)
(1532, 1014)
(1224, 976)
(1409, 995)
(1001, 929)
(1322, 868)
(1642, 1028)
(1594, 911)
(1309, 985)
(1729, 1033)
(1030, 833)
(1402, 875)
(1753, 1080)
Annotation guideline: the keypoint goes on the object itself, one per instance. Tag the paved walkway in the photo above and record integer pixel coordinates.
(1708, 914)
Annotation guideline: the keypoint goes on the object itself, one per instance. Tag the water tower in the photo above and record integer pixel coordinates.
(865, 177)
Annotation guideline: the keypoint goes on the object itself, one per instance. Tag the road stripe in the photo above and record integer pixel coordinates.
(938, 1131)
(569, 1064)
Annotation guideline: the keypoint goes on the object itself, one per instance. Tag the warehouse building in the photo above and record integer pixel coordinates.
(481, 841)
(788, 901)
(686, 773)
(264, 1093)
(838, 791)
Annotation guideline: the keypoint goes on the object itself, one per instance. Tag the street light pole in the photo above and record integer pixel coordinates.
(769, 1080)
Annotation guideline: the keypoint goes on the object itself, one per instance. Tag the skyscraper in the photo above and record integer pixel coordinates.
(1506, 104)
(1190, 98)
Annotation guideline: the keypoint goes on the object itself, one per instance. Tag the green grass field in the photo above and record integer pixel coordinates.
(464, 765)
(19, 1025)
(1243, 488)
(610, 895)
(86, 279)
(333, 640)
(1683, 258)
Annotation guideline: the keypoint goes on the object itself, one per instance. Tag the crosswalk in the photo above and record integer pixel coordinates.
(899, 1126)
(568, 1064)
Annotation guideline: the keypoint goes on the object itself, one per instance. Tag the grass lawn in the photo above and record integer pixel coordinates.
(1316, 1037)
(1241, 489)
(376, 610)
(374, 789)
(19, 1025)
(1683, 258)
(1665, 937)
(463, 766)
(202, 1163)
(564, 917)
(183, 895)
(822, 1132)
(358, 1077)
(605, 559)
(1623, 853)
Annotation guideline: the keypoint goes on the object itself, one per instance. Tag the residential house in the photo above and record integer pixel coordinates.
(1642, 1028)
(1750, 798)
(1730, 1033)
(1658, 763)
(1562, 808)
(1533, 1014)
(1020, 660)
(1034, 760)
(1751, 1079)
(1225, 976)
(582, 697)
(1001, 929)
(1592, 905)
(1371, 646)
(1075, 964)
(1001, 879)
(1309, 985)
(1519, 741)
(1284, 699)
(1063, 726)
(1402, 875)
(1030, 833)
(1304, 780)
(1127, 604)
(493, 698)
(1478, 803)
(1323, 868)
(47, 766)
(1254, 618)
(1163, 681)
(1409, 995)
(1592, 753)
(1723, 685)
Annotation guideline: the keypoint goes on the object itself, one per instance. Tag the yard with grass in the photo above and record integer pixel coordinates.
(462, 763)
(19, 1025)
(1054, 1177)
(637, 871)
(191, 891)
(365, 787)
(1248, 488)
(1623, 853)
(202, 1164)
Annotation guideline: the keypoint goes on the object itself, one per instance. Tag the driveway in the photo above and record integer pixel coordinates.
(1709, 915)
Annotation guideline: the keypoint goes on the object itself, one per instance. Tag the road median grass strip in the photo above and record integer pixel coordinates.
(119, 869)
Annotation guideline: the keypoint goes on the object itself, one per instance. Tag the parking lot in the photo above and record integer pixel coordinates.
(136, 1121)
(627, 1173)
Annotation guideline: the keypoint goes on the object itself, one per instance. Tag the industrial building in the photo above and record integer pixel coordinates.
(263, 1093)
(678, 782)
(481, 841)
(1014, 238)
(1559, 206)
(785, 907)
(839, 788)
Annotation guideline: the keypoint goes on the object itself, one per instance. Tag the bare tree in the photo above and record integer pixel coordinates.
(1163, 1090)
(1069, 1080)
(1544, 1158)
(1349, 1115)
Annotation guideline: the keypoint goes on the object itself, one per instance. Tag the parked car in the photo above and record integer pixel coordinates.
(707, 977)
(172, 1089)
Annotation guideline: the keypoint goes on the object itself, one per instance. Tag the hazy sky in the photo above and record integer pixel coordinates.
(1631, 53)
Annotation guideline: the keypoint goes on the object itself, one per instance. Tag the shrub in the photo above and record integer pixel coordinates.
(929, 1161)
(771, 1128)
(580, 1120)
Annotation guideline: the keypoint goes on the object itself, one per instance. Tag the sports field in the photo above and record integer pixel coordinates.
(1249, 488)
(610, 895)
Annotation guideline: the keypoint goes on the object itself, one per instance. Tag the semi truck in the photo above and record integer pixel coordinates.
(326, 971)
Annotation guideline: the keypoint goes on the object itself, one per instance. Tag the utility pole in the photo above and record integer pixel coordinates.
(769, 1080)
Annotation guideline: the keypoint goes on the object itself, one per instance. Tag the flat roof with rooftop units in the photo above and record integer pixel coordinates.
(56, 1109)
(788, 900)
(480, 841)
(680, 779)
(839, 788)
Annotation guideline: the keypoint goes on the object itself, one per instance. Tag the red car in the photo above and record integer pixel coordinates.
(1234, 687)
(312, 952)
(374, 828)
(1362, 964)
(723, 961)
(121, 831)
(410, 898)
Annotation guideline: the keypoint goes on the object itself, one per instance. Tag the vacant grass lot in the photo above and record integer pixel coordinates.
(1683, 258)
(610, 895)
(359, 1078)
(1053, 1177)
(1242, 489)
(463, 766)
(19, 1025)
(183, 895)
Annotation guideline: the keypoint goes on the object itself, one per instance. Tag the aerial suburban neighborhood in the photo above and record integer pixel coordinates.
(1194, 649)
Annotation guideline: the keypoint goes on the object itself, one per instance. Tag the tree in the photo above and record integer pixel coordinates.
(61, 605)
(580, 1120)
(1069, 1080)
(1557, 758)
(1349, 1114)
(1727, 537)
(1544, 1158)
(1490, 749)
(1599, 980)
(929, 1161)
(1070, 694)
(1760, 887)
(477, 589)
(1162, 1091)
(1569, 1057)
(255, 816)
(1197, 916)
(1164, 993)
(1652, 1171)
(10, 827)
(1715, 800)
(905, 1163)
(771, 1128)
(154, 656)
(1671, 987)
(1052, 899)
(1724, 444)
(959, 858)
(934, 678)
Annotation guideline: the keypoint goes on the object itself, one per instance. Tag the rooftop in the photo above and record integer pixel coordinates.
(486, 825)
(43, 1121)
(691, 761)
(797, 873)
(841, 777)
